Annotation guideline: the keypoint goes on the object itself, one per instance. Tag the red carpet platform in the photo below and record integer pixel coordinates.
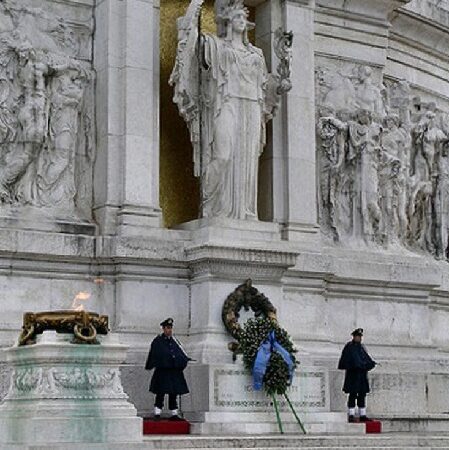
(165, 427)
(374, 426)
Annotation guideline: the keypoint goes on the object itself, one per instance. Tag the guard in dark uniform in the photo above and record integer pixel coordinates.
(356, 361)
(169, 360)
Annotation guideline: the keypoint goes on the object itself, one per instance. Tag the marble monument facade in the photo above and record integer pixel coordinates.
(353, 196)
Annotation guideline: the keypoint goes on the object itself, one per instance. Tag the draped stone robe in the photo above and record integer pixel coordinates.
(233, 124)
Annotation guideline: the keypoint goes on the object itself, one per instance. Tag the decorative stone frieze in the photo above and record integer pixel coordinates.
(47, 130)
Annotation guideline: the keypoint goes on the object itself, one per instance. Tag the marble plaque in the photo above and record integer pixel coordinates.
(233, 390)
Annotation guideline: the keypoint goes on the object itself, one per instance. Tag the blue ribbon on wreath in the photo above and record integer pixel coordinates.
(263, 357)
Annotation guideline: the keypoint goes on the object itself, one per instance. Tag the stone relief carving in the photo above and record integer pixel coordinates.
(46, 113)
(226, 96)
(74, 382)
(383, 163)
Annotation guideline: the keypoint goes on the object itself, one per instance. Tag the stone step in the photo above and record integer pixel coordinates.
(274, 442)
(135, 446)
(396, 441)
(414, 423)
(205, 429)
(333, 448)
(222, 423)
(253, 417)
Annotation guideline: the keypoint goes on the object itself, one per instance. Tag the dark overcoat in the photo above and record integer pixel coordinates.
(169, 361)
(356, 361)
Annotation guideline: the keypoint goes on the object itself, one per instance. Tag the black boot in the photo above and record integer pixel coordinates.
(351, 419)
(365, 419)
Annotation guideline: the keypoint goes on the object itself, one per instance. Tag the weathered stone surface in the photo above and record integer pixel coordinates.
(365, 126)
(48, 122)
(64, 392)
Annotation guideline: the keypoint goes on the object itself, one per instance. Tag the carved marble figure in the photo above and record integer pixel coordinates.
(364, 142)
(394, 176)
(442, 202)
(427, 142)
(368, 95)
(332, 135)
(383, 163)
(226, 96)
(43, 113)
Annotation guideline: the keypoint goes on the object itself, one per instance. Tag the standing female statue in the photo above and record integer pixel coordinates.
(226, 96)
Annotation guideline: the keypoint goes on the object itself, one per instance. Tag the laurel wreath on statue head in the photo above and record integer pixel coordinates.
(255, 332)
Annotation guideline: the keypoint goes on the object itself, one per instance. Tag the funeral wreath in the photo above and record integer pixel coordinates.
(268, 352)
(280, 365)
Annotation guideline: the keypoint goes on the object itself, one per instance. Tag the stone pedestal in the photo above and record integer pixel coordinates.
(67, 393)
(221, 255)
(220, 229)
(224, 401)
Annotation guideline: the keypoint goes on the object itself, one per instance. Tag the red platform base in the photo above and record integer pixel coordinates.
(373, 427)
(166, 427)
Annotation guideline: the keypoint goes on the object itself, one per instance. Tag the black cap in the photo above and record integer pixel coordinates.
(357, 332)
(167, 322)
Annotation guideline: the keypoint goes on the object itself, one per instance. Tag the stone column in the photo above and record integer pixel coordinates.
(126, 59)
(289, 160)
(300, 215)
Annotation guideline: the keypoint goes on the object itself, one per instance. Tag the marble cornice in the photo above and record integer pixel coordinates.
(370, 10)
(432, 11)
(238, 263)
(421, 32)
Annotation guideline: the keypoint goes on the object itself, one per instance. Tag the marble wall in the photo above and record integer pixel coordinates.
(355, 170)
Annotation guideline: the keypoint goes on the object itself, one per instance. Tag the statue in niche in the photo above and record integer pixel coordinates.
(226, 96)
(364, 148)
(43, 113)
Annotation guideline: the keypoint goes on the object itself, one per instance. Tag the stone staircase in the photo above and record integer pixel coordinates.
(414, 423)
(393, 441)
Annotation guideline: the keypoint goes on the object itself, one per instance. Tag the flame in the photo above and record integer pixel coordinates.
(77, 304)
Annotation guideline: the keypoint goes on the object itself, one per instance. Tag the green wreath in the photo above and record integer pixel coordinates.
(255, 332)
(247, 297)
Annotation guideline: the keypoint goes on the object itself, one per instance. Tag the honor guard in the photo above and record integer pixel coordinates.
(356, 362)
(169, 360)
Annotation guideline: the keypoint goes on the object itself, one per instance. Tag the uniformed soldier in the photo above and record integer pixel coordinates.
(356, 361)
(169, 360)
